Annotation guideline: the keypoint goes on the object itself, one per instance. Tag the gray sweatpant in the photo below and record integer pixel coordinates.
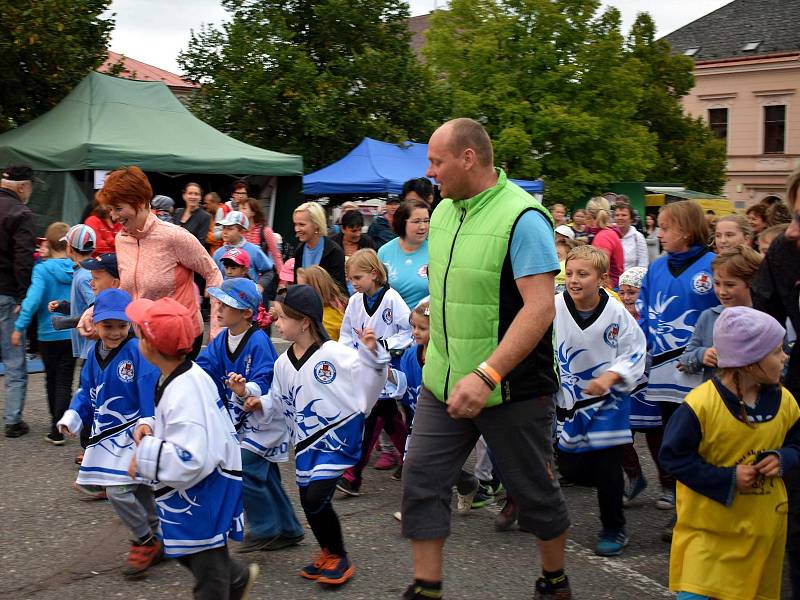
(136, 506)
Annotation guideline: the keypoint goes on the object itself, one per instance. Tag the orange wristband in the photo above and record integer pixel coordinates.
(491, 372)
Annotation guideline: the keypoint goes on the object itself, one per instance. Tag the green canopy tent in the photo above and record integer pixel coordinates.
(107, 122)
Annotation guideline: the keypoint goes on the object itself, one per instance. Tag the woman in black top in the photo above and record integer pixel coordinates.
(193, 218)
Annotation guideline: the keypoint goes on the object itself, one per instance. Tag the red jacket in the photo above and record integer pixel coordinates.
(608, 240)
(105, 234)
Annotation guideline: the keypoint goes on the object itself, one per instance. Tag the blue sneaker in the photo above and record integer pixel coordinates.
(336, 570)
(611, 543)
(635, 487)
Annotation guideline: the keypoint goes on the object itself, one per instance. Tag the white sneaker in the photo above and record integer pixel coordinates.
(465, 502)
(666, 501)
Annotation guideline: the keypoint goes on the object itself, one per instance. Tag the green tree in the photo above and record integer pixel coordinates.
(46, 48)
(554, 86)
(312, 77)
(688, 151)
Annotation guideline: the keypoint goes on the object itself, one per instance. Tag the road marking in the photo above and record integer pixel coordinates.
(614, 566)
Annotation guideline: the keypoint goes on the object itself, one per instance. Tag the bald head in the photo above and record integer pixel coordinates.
(467, 134)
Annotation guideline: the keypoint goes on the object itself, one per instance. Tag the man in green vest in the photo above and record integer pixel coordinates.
(489, 368)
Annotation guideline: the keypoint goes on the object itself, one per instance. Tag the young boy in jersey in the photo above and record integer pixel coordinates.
(240, 360)
(600, 351)
(116, 392)
(191, 454)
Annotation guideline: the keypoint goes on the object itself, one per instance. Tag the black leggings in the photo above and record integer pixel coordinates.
(216, 575)
(315, 499)
(601, 469)
(667, 410)
(59, 366)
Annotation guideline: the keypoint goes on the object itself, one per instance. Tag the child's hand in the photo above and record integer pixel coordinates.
(769, 466)
(86, 324)
(140, 432)
(600, 386)
(680, 367)
(52, 305)
(16, 338)
(367, 337)
(710, 357)
(746, 477)
(132, 468)
(63, 430)
(252, 403)
(236, 383)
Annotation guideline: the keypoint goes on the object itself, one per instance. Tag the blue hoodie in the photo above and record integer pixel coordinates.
(51, 280)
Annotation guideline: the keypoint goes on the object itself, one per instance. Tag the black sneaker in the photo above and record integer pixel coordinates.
(55, 438)
(487, 494)
(347, 488)
(398, 473)
(547, 590)
(416, 592)
(17, 429)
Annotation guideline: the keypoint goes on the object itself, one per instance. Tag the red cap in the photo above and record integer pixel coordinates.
(166, 324)
(239, 256)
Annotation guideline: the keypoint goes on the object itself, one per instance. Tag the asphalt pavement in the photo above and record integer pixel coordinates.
(55, 546)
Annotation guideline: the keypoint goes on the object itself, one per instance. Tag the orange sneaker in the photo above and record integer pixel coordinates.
(337, 570)
(314, 570)
(143, 556)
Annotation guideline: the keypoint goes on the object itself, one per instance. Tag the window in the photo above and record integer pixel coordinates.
(751, 46)
(718, 122)
(691, 51)
(774, 129)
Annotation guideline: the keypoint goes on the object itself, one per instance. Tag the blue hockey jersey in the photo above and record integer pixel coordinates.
(254, 359)
(114, 393)
(324, 397)
(671, 305)
(411, 366)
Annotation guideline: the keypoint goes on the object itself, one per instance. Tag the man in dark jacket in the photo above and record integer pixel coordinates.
(350, 238)
(775, 292)
(17, 243)
(381, 228)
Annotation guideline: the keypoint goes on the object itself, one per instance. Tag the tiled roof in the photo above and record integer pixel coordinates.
(767, 26)
(418, 26)
(135, 69)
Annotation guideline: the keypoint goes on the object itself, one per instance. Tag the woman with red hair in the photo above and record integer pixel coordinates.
(156, 260)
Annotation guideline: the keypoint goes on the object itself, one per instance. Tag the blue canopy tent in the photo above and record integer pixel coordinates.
(375, 167)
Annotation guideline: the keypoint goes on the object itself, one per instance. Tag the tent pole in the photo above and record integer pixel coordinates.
(272, 199)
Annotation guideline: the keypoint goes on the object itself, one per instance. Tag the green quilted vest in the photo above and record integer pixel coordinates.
(469, 246)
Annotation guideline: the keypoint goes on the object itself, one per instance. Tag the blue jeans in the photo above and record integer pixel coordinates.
(267, 508)
(16, 377)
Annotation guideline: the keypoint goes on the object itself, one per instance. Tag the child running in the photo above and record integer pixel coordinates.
(191, 454)
(324, 389)
(600, 351)
(240, 360)
(676, 289)
(116, 392)
(377, 307)
(645, 415)
(729, 444)
(733, 270)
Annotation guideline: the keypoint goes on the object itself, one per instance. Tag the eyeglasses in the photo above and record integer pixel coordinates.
(420, 221)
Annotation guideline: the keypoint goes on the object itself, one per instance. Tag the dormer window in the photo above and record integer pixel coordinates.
(751, 46)
(691, 51)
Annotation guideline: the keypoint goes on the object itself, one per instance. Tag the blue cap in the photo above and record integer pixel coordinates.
(237, 292)
(111, 304)
(104, 262)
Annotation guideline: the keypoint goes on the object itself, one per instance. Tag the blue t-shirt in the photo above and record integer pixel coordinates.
(81, 297)
(312, 256)
(408, 272)
(533, 250)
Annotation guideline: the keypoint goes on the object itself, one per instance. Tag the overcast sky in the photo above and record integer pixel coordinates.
(154, 31)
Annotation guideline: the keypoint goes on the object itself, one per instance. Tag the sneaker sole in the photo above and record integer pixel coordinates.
(343, 579)
(54, 442)
(398, 516)
(348, 492)
(612, 553)
(308, 576)
(251, 579)
(664, 505)
(141, 573)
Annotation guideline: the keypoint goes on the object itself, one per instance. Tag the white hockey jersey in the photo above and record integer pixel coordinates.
(195, 464)
(609, 340)
(388, 318)
(324, 397)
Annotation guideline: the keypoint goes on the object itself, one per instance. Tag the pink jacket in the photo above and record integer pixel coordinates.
(160, 261)
(253, 235)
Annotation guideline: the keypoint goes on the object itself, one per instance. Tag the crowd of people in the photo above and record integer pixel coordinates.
(432, 335)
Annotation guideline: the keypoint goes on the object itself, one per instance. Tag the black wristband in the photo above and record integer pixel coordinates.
(485, 378)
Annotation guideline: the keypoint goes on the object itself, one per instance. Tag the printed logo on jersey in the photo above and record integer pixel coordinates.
(611, 334)
(423, 271)
(125, 371)
(387, 315)
(184, 455)
(702, 283)
(325, 372)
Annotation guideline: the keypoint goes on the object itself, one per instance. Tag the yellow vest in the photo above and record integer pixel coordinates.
(732, 552)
